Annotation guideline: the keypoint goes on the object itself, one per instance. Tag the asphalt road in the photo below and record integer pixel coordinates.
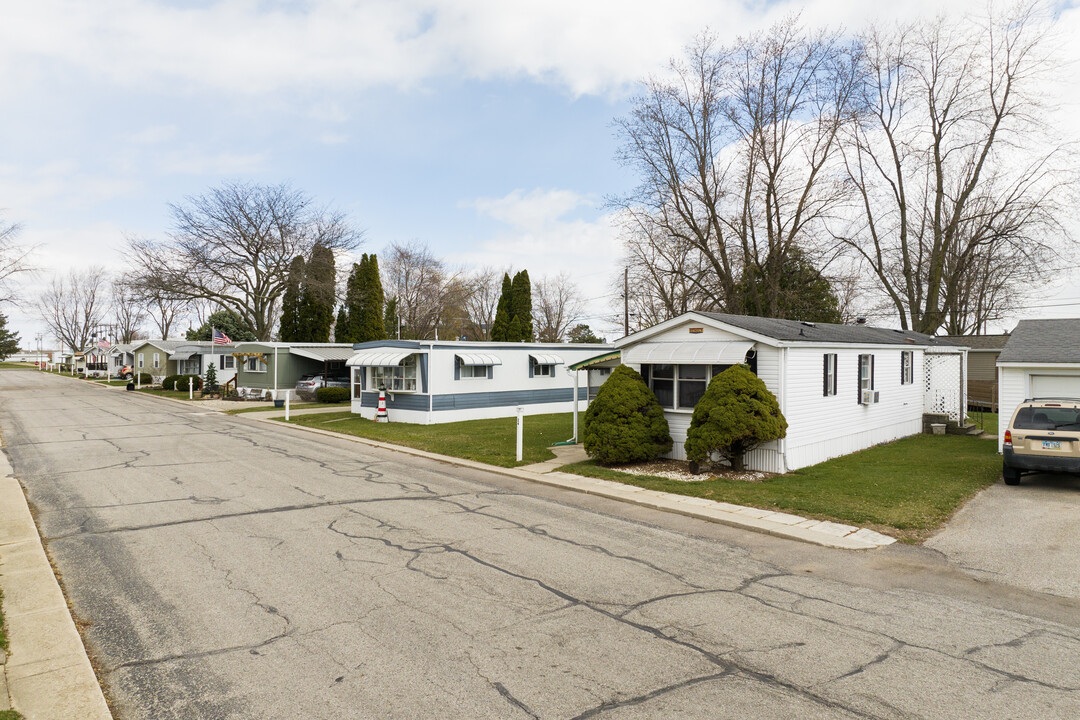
(226, 568)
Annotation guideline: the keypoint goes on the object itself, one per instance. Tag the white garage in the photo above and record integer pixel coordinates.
(1041, 360)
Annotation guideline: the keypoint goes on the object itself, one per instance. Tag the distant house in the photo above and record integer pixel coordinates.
(982, 378)
(274, 367)
(842, 388)
(433, 381)
(120, 356)
(161, 358)
(1040, 360)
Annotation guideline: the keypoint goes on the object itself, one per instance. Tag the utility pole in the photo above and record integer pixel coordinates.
(626, 301)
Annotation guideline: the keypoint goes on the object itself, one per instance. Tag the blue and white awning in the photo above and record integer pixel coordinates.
(541, 359)
(379, 358)
(687, 353)
(475, 359)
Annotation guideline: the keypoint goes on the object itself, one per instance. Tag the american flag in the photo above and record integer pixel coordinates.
(104, 344)
(221, 338)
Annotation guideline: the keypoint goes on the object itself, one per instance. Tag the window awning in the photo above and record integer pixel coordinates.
(325, 353)
(379, 358)
(546, 359)
(184, 353)
(473, 359)
(608, 359)
(688, 353)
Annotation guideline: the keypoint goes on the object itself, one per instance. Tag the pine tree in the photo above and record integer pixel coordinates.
(513, 330)
(9, 341)
(290, 302)
(341, 329)
(503, 313)
(227, 322)
(210, 385)
(317, 297)
(353, 301)
(390, 318)
(369, 325)
(521, 307)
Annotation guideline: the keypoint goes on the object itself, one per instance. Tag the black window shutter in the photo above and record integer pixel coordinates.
(858, 379)
(903, 367)
(871, 372)
(835, 371)
(825, 375)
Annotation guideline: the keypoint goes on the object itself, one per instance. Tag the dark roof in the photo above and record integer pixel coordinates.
(978, 342)
(1044, 341)
(797, 331)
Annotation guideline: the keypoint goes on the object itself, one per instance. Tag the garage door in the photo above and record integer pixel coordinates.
(1043, 386)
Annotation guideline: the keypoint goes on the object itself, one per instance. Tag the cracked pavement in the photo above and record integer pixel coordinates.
(227, 568)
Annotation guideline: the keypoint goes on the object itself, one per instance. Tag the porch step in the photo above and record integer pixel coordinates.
(955, 429)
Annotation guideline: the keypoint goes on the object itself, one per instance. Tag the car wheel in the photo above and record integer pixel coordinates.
(1010, 475)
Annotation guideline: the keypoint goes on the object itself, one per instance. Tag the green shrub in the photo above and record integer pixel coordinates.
(625, 423)
(169, 383)
(182, 382)
(736, 414)
(211, 378)
(144, 379)
(332, 395)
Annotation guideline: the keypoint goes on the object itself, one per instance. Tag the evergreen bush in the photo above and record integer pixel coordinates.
(736, 414)
(211, 383)
(169, 383)
(143, 379)
(332, 394)
(625, 423)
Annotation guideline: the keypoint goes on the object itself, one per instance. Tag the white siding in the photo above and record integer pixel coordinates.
(822, 427)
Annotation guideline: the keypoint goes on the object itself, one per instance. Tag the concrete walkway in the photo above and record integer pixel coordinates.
(46, 675)
(792, 527)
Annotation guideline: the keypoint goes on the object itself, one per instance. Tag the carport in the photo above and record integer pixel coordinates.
(1041, 360)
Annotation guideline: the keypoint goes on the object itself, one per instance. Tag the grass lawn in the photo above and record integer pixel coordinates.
(3, 633)
(987, 421)
(175, 394)
(906, 488)
(489, 441)
(16, 366)
(293, 406)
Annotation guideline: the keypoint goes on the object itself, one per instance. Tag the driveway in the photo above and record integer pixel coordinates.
(229, 568)
(1027, 535)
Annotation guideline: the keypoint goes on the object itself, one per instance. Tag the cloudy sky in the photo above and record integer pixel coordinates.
(480, 127)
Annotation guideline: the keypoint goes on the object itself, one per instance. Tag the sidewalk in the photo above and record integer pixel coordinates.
(792, 527)
(46, 675)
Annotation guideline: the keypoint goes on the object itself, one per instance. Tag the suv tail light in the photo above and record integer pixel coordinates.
(1008, 438)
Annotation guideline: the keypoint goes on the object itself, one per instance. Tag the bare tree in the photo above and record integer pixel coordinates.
(557, 305)
(736, 151)
(128, 311)
(485, 286)
(422, 285)
(73, 307)
(14, 260)
(232, 246)
(956, 172)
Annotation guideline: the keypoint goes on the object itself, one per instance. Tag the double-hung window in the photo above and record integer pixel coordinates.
(228, 362)
(140, 361)
(255, 364)
(866, 376)
(907, 367)
(679, 387)
(157, 360)
(829, 374)
(474, 371)
(543, 371)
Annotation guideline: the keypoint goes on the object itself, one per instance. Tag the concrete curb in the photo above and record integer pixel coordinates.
(792, 527)
(47, 672)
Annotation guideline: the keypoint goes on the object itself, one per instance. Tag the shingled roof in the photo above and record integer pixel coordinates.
(1044, 341)
(797, 331)
(979, 342)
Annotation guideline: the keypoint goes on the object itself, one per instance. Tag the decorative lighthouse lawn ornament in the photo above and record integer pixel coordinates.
(380, 413)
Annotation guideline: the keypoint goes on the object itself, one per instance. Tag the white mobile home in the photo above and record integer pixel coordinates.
(842, 388)
(1041, 360)
(431, 381)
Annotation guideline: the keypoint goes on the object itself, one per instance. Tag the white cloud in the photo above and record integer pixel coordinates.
(154, 135)
(241, 46)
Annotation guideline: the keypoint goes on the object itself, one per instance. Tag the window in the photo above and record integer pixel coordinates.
(829, 374)
(679, 387)
(474, 371)
(396, 378)
(228, 362)
(866, 374)
(907, 367)
(255, 364)
(140, 361)
(157, 360)
(544, 371)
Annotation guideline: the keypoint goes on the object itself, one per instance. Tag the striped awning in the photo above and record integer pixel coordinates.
(184, 353)
(608, 359)
(540, 359)
(379, 358)
(687, 353)
(473, 359)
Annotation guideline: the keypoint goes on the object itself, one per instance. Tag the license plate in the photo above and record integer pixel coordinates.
(1051, 444)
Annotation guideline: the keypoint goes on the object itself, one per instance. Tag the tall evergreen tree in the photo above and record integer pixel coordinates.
(521, 306)
(369, 325)
(341, 328)
(9, 341)
(501, 325)
(353, 302)
(317, 297)
(290, 302)
(390, 318)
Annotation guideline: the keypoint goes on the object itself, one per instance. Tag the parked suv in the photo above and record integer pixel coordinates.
(1043, 436)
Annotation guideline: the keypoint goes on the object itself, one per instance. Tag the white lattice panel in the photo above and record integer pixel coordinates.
(943, 383)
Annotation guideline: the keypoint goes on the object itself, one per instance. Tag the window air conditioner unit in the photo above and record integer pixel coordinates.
(870, 397)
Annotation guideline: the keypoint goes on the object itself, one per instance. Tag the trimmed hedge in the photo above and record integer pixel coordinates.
(332, 395)
(142, 379)
(625, 423)
(180, 382)
(736, 414)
